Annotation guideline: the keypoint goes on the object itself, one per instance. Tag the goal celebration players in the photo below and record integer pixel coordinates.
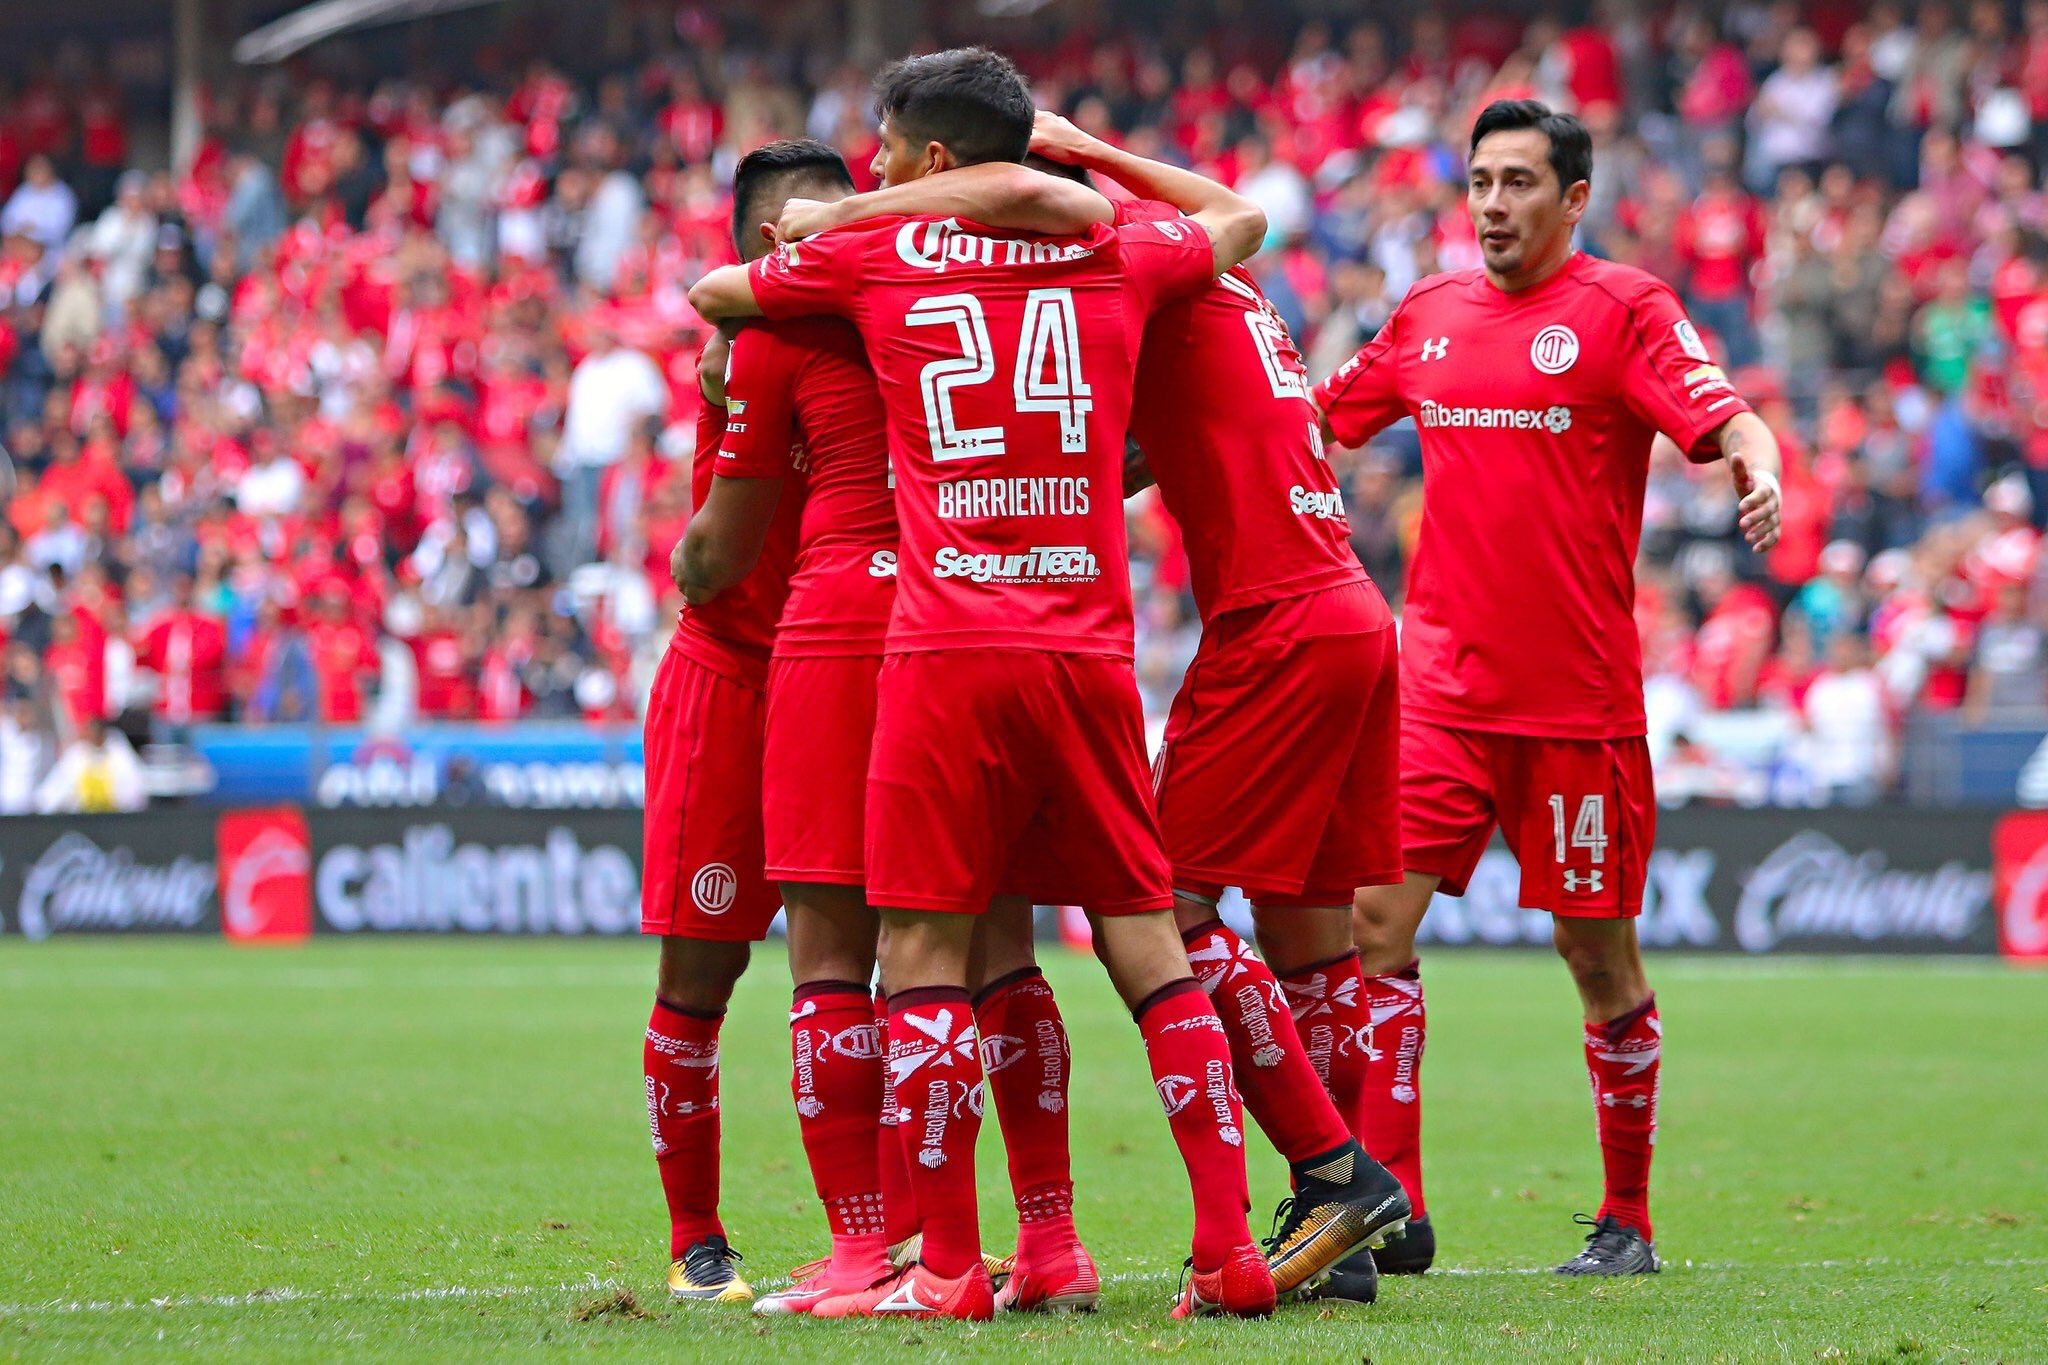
(704, 890)
(1538, 384)
(1007, 716)
(1279, 770)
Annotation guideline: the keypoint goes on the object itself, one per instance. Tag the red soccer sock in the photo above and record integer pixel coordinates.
(937, 1070)
(1280, 1086)
(899, 1203)
(1622, 1060)
(1327, 1000)
(836, 1078)
(1390, 1109)
(680, 1058)
(1025, 1054)
(1190, 1060)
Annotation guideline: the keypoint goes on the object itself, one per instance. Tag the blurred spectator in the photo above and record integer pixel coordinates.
(42, 208)
(1847, 727)
(2008, 669)
(97, 772)
(613, 389)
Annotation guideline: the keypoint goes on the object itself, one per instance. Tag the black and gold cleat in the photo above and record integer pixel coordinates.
(1342, 1202)
(704, 1274)
(1413, 1252)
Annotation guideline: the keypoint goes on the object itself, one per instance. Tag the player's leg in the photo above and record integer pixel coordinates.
(1102, 832)
(1447, 817)
(941, 817)
(836, 1079)
(1261, 737)
(820, 720)
(705, 894)
(1027, 1058)
(935, 1061)
(1583, 826)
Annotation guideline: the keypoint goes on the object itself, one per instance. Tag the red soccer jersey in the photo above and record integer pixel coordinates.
(1223, 414)
(799, 394)
(733, 634)
(1536, 412)
(1006, 363)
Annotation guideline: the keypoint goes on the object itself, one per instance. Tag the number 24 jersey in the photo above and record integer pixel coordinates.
(1006, 364)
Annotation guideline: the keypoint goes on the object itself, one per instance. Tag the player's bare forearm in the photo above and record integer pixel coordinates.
(999, 193)
(727, 292)
(1234, 223)
(725, 536)
(1753, 462)
(711, 363)
(1137, 470)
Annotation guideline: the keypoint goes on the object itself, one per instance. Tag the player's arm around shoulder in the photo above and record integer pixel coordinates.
(1236, 226)
(724, 294)
(999, 194)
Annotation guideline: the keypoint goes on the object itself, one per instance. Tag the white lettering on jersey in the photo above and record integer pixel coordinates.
(1021, 497)
(1555, 420)
(1039, 564)
(1307, 502)
(882, 564)
(940, 243)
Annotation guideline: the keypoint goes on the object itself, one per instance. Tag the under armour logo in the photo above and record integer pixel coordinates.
(1613, 1101)
(1435, 348)
(1575, 882)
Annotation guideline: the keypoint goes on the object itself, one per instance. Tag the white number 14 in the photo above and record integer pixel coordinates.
(1589, 831)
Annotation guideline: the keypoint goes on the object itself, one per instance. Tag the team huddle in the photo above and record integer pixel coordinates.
(900, 703)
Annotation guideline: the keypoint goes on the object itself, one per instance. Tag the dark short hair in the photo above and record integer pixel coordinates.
(782, 167)
(1078, 174)
(1571, 146)
(969, 100)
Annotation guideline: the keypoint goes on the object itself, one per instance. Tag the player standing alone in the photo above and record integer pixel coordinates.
(1538, 384)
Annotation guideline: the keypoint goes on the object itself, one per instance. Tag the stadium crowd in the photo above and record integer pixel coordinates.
(382, 405)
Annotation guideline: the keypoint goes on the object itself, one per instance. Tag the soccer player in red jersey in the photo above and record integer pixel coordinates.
(801, 398)
(1007, 715)
(1273, 777)
(802, 388)
(705, 890)
(1538, 384)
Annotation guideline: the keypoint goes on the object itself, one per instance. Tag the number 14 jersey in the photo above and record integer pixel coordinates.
(1006, 364)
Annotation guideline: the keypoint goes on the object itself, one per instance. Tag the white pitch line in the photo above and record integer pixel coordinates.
(262, 1298)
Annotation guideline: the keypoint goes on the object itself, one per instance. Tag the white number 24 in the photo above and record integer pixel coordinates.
(1589, 830)
(1047, 379)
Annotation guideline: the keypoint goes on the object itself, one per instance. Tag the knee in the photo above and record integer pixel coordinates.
(699, 975)
(1601, 963)
(1383, 929)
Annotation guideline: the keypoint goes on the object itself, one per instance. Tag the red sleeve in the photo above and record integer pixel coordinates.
(1668, 379)
(760, 406)
(821, 274)
(1165, 260)
(1363, 398)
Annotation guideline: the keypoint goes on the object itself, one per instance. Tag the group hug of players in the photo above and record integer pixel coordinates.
(900, 703)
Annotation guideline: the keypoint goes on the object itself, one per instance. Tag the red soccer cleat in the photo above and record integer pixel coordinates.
(1242, 1288)
(802, 1297)
(917, 1293)
(1066, 1283)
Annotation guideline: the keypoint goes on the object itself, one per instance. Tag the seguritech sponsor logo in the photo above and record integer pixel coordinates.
(1307, 502)
(1039, 564)
(1556, 419)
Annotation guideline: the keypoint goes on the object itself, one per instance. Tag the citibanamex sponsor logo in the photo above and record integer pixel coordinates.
(427, 883)
(75, 885)
(1811, 887)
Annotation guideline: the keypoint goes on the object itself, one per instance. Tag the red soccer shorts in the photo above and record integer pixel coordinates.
(1579, 815)
(814, 767)
(704, 873)
(976, 747)
(1280, 773)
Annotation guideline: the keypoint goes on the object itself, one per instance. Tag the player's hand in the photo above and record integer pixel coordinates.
(675, 568)
(803, 218)
(1760, 512)
(1057, 139)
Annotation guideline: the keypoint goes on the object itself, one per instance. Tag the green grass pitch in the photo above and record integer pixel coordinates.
(438, 1151)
